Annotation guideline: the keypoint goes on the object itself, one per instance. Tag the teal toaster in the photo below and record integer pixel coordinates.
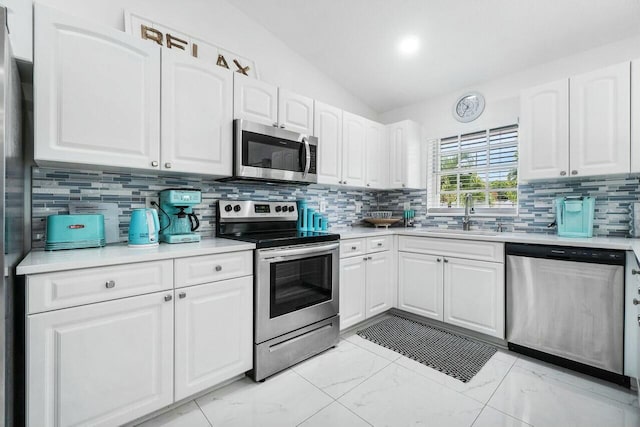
(74, 231)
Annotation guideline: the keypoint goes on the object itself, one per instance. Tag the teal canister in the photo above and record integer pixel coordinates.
(302, 215)
(310, 215)
(325, 223)
(317, 221)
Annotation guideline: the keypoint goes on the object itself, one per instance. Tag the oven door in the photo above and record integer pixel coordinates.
(269, 153)
(295, 287)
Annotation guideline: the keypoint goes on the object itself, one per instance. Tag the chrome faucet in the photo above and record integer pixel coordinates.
(468, 210)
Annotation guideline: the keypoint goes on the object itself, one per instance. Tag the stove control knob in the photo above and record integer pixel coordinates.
(278, 208)
(228, 208)
(236, 208)
(291, 208)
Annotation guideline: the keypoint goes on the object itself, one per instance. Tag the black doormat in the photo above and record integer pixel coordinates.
(457, 356)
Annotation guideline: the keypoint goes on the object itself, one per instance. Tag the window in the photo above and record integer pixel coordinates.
(483, 164)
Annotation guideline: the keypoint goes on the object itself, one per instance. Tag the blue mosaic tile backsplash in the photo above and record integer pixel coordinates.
(53, 189)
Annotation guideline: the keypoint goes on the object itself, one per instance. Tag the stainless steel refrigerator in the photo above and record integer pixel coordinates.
(15, 221)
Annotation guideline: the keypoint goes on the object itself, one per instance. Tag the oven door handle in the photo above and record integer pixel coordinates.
(281, 254)
(307, 156)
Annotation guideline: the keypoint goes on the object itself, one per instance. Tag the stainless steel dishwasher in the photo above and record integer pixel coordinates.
(565, 305)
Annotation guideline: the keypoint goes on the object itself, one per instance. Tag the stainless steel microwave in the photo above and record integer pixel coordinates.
(269, 153)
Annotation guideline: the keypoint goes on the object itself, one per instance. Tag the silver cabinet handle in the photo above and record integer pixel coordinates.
(574, 172)
(563, 173)
(275, 125)
(154, 164)
(110, 284)
(404, 185)
(364, 259)
(168, 298)
(446, 260)
(634, 271)
(636, 301)
(438, 259)
(167, 165)
(353, 248)
(281, 126)
(344, 182)
(380, 244)
(369, 258)
(368, 185)
(182, 295)
(218, 268)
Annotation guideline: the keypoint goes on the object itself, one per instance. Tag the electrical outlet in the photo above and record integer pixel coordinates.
(149, 199)
(323, 206)
(358, 207)
(407, 206)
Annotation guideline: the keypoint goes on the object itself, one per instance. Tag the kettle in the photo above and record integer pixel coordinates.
(144, 227)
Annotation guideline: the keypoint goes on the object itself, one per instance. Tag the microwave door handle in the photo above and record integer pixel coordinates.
(307, 156)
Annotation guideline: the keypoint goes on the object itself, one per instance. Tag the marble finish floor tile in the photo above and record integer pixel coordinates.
(185, 415)
(340, 369)
(374, 348)
(481, 386)
(542, 401)
(489, 417)
(286, 399)
(335, 415)
(396, 396)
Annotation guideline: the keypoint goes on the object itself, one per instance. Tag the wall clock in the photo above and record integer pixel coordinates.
(468, 107)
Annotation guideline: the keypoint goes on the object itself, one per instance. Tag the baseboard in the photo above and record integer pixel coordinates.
(358, 326)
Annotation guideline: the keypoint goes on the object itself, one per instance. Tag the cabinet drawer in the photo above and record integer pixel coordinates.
(381, 243)
(52, 291)
(211, 268)
(469, 249)
(352, 247)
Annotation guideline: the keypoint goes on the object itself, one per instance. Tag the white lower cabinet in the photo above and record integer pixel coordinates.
(352, 291)
(474, 295)
(101, 364)
(379, 289)
(213, 334)
(460, 291)
(420, 284)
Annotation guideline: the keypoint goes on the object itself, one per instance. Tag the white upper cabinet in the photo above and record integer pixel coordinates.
(328, 128)
(353, 150)
(101, 364)
(255, 100)
(20, 25)
(407, 162)
(635, 116)
(577, 127)
(600, 121)
(377, 156)
(96, 92)
(197, 116)
(544, 131)
(295, 112)
(213, 333)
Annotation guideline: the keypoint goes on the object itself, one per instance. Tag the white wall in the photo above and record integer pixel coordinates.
(502, 94)
(222, 24)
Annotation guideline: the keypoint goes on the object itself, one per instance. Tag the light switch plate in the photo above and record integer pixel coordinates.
(323, 206)
(358, 207)
(407, 206)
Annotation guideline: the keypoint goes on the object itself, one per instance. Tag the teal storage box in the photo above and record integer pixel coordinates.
(74, 231)
(574, 216)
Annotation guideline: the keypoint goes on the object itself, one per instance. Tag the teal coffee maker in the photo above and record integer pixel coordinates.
(574, 216)
(178, 222)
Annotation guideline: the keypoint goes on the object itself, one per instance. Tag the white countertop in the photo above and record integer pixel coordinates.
(620, 243)
(40, 261)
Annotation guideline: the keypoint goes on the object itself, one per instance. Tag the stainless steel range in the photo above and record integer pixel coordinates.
(295, 282)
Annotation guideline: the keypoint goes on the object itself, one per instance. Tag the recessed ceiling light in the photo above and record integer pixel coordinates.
(409, 45)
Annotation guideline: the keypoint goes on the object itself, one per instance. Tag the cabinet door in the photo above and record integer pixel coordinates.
(544, 131)
(328, 128)
(100, 364)
(420, 284)
(379, 283)
(255, 100)
(214, 334)
(474, 295)
(397, 158)
(377, 162)
(635, 116)
(197, 116)
(97, 94)
(353, 150)
(295, 112)
(352, 291)
(599, 123)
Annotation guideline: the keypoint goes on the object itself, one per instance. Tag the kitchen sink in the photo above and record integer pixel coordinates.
(456, 231)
